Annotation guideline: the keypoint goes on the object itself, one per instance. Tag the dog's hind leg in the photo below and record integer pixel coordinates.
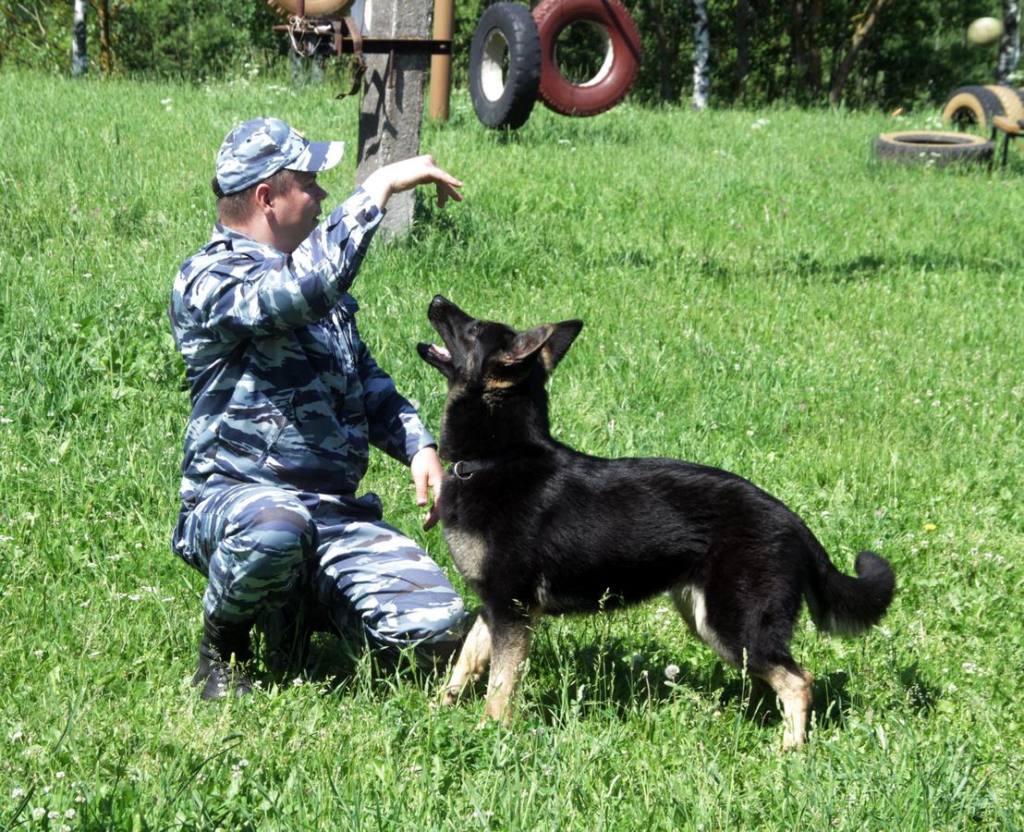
(792, 684)
(511, 644)
(472, 661)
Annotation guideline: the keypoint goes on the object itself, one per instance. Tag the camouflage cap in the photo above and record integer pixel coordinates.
(260, 147)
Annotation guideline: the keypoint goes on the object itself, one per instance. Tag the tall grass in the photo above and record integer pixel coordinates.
(759, 294)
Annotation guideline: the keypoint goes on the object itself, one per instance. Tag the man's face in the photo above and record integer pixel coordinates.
(296, 210)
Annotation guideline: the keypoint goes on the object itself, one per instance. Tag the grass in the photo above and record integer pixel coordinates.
(766, 299)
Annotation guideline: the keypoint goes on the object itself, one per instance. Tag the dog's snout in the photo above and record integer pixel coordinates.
(438, 301)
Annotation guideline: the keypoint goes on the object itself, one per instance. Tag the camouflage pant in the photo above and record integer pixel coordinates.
(263, 547)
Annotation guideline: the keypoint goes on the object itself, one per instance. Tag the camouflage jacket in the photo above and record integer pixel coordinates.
(283, 390)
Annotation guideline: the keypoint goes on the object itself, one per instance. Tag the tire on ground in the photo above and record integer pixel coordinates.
(504, 66)
(935, 146)
(977, 104)
(623, 52)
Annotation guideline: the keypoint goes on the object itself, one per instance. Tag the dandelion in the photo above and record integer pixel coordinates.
(297, 681)
(930, 527)
(671, 672)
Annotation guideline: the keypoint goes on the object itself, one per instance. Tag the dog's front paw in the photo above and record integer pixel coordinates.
(450, 696)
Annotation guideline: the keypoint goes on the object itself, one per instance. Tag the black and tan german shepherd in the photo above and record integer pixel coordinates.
(537, 528)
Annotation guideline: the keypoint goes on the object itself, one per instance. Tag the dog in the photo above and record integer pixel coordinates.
(538, 528)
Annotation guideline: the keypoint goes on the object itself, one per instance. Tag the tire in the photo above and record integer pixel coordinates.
(623, 52)
(976, 105)
(940, 148)
(314, 8)
(504, 66)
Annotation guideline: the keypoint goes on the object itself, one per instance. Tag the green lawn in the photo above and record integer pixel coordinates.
(759, 294)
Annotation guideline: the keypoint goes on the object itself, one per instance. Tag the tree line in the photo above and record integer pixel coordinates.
(862, 53)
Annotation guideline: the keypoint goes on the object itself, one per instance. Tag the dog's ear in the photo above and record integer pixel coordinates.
(558, 343)
(526, 344)
(551, 340)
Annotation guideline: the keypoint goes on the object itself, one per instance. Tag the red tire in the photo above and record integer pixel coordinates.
(618, 71)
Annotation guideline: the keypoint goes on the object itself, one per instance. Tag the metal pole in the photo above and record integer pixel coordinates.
(441, 65)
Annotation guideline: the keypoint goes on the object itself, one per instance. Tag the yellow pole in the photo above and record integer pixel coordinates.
(441, 65)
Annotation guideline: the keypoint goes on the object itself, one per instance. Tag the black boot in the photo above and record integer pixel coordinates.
(286, 636)
(224, 656)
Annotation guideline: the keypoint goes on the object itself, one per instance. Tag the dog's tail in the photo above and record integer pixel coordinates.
(844, 605)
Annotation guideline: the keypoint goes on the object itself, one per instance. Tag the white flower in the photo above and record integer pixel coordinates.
(297, 681)
(59, 775)
(70, 814)
(38, 813)
(53, 814)
(671, 672)
(17, 791)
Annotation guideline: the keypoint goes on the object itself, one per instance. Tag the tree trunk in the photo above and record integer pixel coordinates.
(701, 55)
(1009, 43)
(860, 36)
(106, 57)
(814, 14)
(742, 44)
(79, 59)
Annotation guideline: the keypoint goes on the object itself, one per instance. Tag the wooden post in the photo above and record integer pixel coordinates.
(441, 65)
(392, 107)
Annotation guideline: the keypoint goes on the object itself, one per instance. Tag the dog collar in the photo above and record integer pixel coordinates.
(463, 469)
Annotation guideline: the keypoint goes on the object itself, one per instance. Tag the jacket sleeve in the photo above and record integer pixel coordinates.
(242, 293)
(395, 426)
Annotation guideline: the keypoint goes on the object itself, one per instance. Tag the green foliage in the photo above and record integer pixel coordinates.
(758, 295)
(916, 54)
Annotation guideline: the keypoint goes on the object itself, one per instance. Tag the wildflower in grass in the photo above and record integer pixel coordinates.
(930, 527)
(60, 775)
(38, 813)
(70, 814)
(671, 672)
(17, 792)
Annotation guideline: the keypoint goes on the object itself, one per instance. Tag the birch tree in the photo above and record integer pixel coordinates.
(1009, 43)
(701, 55)
(79, 59)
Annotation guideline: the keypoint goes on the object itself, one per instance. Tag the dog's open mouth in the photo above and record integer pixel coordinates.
(435, 354)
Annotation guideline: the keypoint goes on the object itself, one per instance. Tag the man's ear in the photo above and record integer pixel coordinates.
(558, 343)
(262, 195)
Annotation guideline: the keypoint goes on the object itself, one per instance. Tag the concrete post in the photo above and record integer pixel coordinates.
(392, 108)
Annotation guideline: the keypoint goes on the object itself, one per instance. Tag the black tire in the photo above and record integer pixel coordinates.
(623, 53)
(974, 106)
(504, 66)
(935, 146)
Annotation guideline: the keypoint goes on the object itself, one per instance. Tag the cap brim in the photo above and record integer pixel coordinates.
(318, 156)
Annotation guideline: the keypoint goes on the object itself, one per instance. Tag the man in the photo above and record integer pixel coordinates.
(286, 399)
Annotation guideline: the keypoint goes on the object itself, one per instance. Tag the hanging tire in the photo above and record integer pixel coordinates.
(504, 66)
(935, 146)
(976, 105)
(622, 55)
(313, 8)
